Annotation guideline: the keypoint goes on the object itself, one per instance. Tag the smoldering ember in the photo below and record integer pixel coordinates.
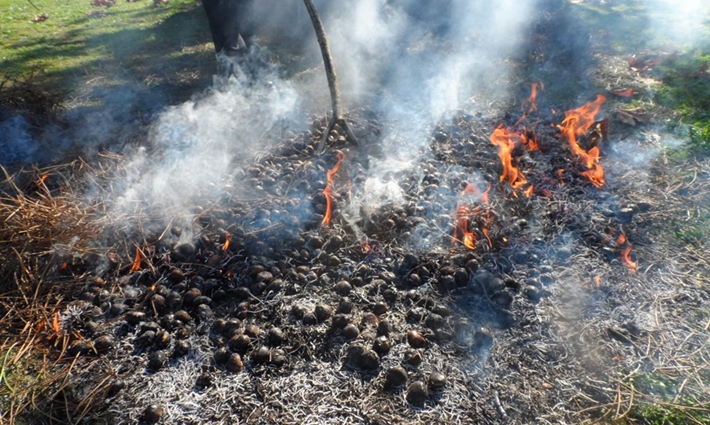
(503, 220)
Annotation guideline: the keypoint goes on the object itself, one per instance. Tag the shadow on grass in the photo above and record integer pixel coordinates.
(172, 55)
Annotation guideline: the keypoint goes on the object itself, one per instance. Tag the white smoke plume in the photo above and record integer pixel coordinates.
(680, 22)
(412, 61)
(197, 149)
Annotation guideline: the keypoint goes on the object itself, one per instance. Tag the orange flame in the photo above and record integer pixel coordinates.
(528, 192)
(137, 260)
(328, 191)
(576, 123)
(55, 324)
(529, 140)
(462, 221)
(505, 139)
(626, 259)
(530, 104)
(227, 238)
(626, 253)
(462, 218)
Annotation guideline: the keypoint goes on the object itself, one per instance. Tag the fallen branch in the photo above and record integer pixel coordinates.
(337, 117)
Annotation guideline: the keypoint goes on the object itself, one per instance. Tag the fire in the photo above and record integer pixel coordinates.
(626, 253)
(328, 191)
(576, 123)
(626, 259)
(462, 218)
(55, 324)
(227, 238)
(505, 139)
(560, 176)
(530, 104)
(529, 140)
(137, 260)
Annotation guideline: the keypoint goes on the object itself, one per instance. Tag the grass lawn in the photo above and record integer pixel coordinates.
(138, 42)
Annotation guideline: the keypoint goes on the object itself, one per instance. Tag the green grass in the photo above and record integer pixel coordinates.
(136, 42)
(655, 414)
(666, 410)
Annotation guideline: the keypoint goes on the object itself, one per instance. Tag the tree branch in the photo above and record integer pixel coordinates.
(336, 104)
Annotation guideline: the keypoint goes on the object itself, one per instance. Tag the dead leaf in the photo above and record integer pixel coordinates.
(624, 93)
(41, 18)
(633, 116)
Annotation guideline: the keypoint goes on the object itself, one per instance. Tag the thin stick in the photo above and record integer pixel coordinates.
(33, 5)
(336, 104)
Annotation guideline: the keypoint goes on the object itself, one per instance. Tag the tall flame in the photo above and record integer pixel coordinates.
(328, 191)
(576, 123)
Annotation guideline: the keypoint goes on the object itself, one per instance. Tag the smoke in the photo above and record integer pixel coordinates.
(198, 149)
(681, 22)
(416, 62)
(16, 142)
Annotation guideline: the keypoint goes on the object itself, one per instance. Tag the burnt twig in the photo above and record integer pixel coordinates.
(337, 117)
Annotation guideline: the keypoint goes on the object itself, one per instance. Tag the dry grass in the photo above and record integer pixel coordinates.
(44, 230)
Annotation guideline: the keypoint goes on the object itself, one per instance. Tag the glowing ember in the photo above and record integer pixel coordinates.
(576, 123)
(463, 214)
(227, 238)
(137, 261)
(505, 139)
(328, 191)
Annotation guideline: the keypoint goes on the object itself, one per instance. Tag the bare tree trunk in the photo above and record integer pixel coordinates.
(337, 106)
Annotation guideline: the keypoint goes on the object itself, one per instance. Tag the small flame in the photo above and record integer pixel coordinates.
(462, 218)
(621, 239)
(576, 123)
(328, 191)
(137, 260)
(227, 238)
(626, 259)
(529, 140)
(560, 177)
(530, 104)
(505, 139)
(528, 192)
(626, 253)
(55, 324)
(598, 281)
